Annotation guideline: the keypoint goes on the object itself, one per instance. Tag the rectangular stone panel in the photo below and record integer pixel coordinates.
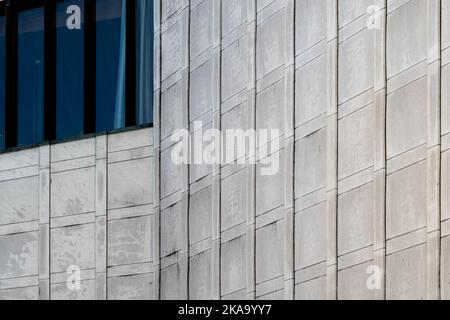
(174, 282)
(129, 241)
(171, 172)
(73, 192)
(352, 283)
(200, 216)
(72, 246)
(355, 219)
(350, 10)
(445, 95)
(201, 27)
(19, 159)
(315, 289)
(172, 235)
(130, 183)
(270, 47)
(72, 150)
(233, 266)
(311, 90)
(269, 252)
(270, 184)
(19, 200)
(233, 200)
(234, 68)
(201, 90)
(406, 274)
(169, 7)
(62, 292)
(406, 121)
(356, 142)
(233, 15)
(310, 163)
(270, 109)
(356, 64)
(406, 34)
(133, 287)
(310, 236)
(200, 276)
(445, 186)
(311, 23)
(129, 140)
(445, 268)
(445, 21)
(172, 49)
(171, 110)
(19, 255)
(29, 293)
(406, 200)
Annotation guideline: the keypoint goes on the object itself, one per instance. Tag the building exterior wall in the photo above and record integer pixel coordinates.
(358, 92)
(82, 206)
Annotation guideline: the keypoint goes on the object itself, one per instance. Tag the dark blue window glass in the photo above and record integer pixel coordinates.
(2, 83)
(144, 61)
(30, 76)
(69, 68)
(110, 64)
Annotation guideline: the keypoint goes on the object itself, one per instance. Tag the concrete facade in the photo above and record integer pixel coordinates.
(358, 90)
(83, 206)
(359, 209)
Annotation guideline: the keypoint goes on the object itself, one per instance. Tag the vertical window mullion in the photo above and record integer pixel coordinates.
(2, 75)
(50, 73)
(89, 67)
(130, 91)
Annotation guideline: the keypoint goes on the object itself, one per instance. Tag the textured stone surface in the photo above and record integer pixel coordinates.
(128, 241)
(135, 287)
(35, 259)
(363, 181)
(18, 255)
(72, 246)
(18, 200)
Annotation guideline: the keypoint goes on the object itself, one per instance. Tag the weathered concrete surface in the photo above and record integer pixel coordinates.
(86, 205)
(354, 88)
(359, 208)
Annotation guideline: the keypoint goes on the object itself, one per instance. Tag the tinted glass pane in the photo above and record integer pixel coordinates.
(144, 61)
(69, 68)
(31, 76)
(110, 64)
(2, 83)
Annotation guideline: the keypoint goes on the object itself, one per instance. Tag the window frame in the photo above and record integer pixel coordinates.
(3, 15)
(10, 9)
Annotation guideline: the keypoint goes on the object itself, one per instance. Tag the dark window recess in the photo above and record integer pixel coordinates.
(2, 82)
(110, 64)
(30, 96)
(73, 67)
(144, 61)
(69, 69)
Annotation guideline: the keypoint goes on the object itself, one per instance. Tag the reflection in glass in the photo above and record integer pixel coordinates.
(69, 68)
(30, 76)
(144, 61)
(110, 64)
(2, 83)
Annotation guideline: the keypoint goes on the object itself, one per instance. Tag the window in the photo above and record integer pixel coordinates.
(2, 82)
(30, 77)
(74, 67)
(144, 61)
(69, 68)
(110, 62)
